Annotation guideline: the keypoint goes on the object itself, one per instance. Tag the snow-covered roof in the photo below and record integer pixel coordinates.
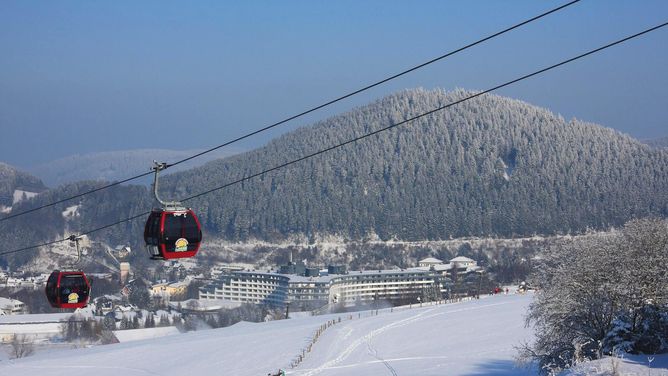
(35, 318)
(431, 260)
(462, 259)
(9, 303)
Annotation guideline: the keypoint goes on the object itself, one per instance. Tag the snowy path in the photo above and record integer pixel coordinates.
(456, 339)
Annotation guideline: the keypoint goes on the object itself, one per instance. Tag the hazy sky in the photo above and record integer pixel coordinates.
(86, 76)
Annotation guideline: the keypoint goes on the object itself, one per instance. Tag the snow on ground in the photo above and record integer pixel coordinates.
(147, 333)
(19, 195)
(422, 340)
(627, 365)
(468, 338)
(472, 338)
(242, 349)
(71, 211)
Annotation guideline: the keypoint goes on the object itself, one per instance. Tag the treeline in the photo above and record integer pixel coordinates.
(92, 211)
(12, 179)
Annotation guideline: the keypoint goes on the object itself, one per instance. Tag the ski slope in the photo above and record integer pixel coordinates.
(468, 338)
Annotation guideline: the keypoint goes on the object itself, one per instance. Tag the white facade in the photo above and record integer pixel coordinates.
(380, 284)
(278, 289)
(11, 306)
(249, 287)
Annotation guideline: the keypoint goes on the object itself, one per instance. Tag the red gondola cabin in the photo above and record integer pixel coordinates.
(69, 289)
(172, 234)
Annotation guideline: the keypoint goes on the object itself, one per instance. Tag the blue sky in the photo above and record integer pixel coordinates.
(85, 76)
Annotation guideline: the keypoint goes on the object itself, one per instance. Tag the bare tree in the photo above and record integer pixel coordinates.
(21, 346)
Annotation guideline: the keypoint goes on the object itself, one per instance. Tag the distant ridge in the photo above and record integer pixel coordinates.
(117, 165)
(659, 143)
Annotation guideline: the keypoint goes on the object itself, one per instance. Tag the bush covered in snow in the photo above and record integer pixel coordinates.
(601, 296)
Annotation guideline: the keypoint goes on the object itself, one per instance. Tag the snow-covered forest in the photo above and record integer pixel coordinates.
(492, 166)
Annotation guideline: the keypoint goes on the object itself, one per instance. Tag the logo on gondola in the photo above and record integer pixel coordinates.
(181, 245)
(73, 298)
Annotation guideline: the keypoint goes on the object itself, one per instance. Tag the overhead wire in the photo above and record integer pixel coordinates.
(391, 126)
(293, 117)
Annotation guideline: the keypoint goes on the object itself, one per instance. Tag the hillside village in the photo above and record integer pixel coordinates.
(193, 297)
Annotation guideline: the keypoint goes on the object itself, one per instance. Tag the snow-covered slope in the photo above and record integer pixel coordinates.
(471, 338)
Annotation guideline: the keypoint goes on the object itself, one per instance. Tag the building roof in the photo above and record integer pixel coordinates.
(35, 318)
(9, 303)
(430, 260)
(462, 259)
(437, 267)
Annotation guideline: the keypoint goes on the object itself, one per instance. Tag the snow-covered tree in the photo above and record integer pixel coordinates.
(601, 294)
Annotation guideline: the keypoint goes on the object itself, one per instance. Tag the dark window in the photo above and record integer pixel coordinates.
(152, 230)
(51, 286)
(179, 226)
(73, 283)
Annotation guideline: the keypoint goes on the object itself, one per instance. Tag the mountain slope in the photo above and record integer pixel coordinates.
(489, 166)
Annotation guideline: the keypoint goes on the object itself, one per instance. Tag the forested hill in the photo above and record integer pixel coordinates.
(488, 166)
(491, 166)
(14, 184)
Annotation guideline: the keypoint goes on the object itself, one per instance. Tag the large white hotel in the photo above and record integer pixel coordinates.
(313, 288)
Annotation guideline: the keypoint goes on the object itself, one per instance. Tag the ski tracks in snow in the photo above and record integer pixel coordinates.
(346, 352)
(374, 352)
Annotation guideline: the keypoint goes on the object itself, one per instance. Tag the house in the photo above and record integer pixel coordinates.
(11, 306)
(35, 327)
(170, 291)
(106, 303)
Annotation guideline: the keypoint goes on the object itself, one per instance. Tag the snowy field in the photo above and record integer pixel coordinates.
(463, 338)
(468, 338)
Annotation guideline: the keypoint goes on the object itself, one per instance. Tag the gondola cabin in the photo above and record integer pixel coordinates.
(68, 289)
(172, 234)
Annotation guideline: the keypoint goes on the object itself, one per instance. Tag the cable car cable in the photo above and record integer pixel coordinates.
(330, 102)
(524, 77)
